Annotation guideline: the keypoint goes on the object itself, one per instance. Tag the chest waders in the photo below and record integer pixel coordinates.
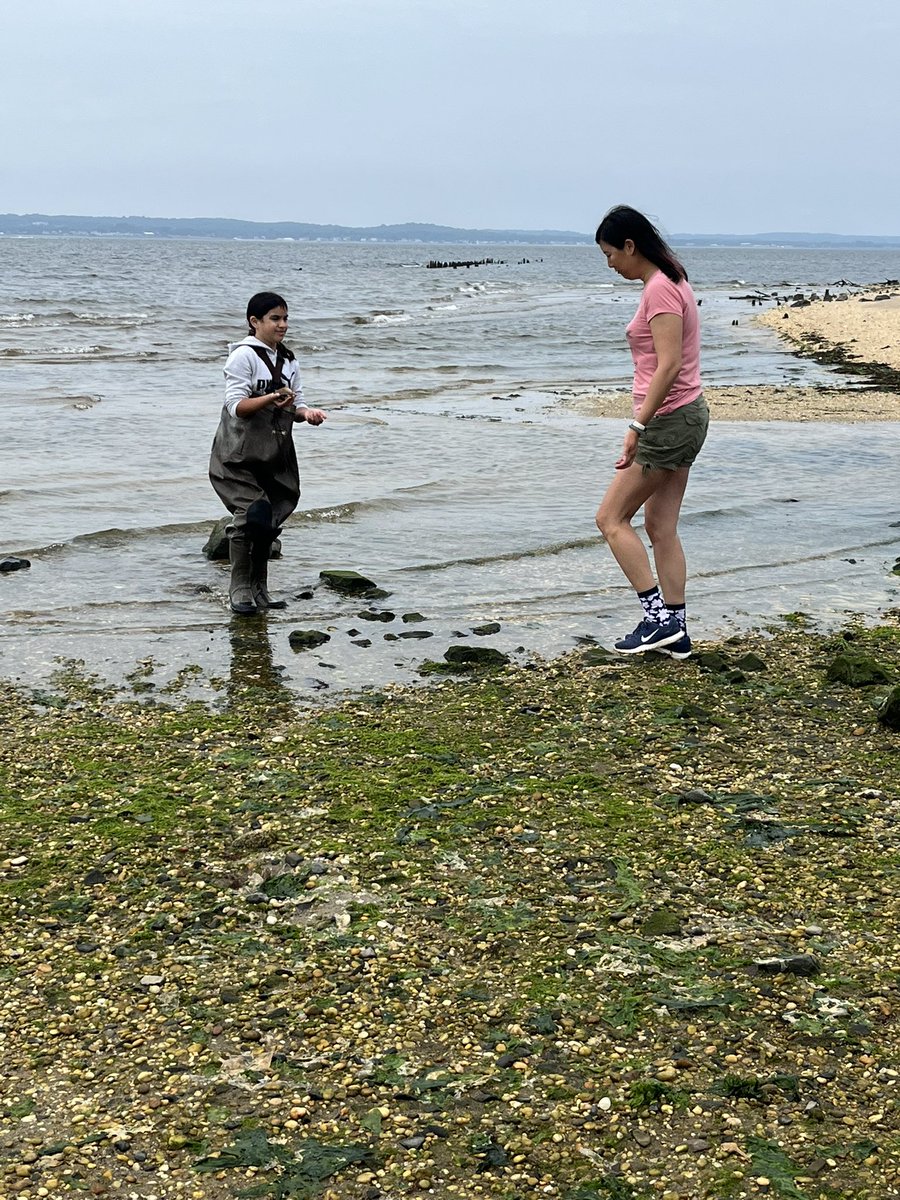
(253, 469)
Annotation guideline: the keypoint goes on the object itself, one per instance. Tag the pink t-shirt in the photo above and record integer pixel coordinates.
(661, 295)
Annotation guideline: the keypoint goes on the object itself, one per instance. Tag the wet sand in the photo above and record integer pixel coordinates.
(768, 402)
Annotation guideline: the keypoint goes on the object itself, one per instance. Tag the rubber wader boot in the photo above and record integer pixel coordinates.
(240, 592)
(259, 576)
(261, 532)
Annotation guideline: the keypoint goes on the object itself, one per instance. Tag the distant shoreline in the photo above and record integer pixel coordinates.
(19, 225)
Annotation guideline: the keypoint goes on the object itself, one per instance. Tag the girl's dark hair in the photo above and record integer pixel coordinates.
(263, 302)
(623, 222)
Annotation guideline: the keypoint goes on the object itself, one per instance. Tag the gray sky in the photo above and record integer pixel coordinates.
(714, 115)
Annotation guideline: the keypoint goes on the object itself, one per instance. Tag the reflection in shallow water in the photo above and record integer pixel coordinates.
(254, 674)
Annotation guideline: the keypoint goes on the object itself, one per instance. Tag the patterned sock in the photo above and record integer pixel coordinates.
(679, 612)
(654, 606)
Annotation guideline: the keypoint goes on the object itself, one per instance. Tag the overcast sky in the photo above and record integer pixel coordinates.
(723, 116)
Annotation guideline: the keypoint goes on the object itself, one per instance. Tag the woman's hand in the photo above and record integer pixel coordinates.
(629, 450)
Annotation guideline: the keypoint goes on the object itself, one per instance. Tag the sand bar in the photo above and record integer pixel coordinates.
(866, 326)
(860, 329)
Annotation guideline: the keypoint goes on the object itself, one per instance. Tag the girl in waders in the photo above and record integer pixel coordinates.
(253, 464)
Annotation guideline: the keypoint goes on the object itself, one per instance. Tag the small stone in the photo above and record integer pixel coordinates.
(149, 981)
(14, 564)
(642, 1137)
(795, 964)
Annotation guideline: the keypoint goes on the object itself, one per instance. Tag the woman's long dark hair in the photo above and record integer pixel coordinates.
(623, 222)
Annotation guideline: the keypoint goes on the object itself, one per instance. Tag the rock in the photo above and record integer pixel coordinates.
(349, 583)
(372, 615)
(307, 639)
(695, 796)
(711, 660)
(149, 981)
(795, 964)
(697, 1145)
(661, 923)
(598, 656)
(486, 630)
(856, 670)
(475, 656)
(216, 548)
(642, 1137)
(361, 641)
(416, 633)
(750, 662)
(889, 709)
(14, 564)
(412, 618)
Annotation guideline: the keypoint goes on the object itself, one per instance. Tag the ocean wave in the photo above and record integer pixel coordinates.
(485, 560)
(384, 317)
(14, 320)
(67, 354)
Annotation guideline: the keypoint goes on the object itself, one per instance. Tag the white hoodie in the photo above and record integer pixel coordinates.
(245, 374)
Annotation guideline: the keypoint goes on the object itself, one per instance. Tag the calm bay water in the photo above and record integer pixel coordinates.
(452, 469)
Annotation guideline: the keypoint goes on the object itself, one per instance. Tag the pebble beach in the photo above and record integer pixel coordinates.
(585, 928)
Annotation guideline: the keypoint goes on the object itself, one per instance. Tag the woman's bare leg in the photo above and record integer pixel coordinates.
(629, 490)
(661, 514)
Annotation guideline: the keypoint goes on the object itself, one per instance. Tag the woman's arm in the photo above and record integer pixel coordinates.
(667, 330)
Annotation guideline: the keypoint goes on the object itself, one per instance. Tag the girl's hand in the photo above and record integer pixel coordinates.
(629, 450)
(283, 398)
(312, 416)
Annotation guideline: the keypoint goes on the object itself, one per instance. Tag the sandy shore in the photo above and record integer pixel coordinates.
(861, 329)
(866, 327)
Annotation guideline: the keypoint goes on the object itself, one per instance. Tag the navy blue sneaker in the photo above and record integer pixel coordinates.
(650, 635)
(680, 649)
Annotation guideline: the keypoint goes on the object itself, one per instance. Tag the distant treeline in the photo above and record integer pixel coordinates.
(32, 224)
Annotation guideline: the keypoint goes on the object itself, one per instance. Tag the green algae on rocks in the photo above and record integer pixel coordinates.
(499, 936)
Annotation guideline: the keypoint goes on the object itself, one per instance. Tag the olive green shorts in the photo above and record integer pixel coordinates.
(674, 440)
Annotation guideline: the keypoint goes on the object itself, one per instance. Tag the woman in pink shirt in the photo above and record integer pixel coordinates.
(665, 435)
